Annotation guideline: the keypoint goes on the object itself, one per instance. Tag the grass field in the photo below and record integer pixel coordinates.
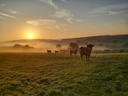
(41, 74)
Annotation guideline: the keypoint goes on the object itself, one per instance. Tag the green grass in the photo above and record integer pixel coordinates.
(40, 74)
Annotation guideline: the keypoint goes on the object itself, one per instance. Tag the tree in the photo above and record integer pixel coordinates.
(17, 46)
(58, 46)
(26, 46)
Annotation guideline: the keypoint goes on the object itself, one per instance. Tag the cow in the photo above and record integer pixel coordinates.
(86, 51)
(48, 51)
(73, 51)
(56, 51)
(64, 51)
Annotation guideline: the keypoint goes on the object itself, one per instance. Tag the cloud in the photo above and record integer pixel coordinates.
(3, 15)
(72, 20)
(64, 1)
(112, 12)
(7, 15)
(62, 14)
(39, 22)
(13, 11)
(50, 2)
(109, 10)
(33, 22)
(67, 15)
(49, 24)
(2, 5)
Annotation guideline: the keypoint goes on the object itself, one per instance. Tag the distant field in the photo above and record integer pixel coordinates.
(42, 74)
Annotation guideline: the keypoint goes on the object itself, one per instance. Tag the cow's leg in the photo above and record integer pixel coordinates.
(86, 57)
(81, 57)
(75, 53)
(70, 53)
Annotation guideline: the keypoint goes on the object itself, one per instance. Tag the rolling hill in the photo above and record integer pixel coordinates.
(107, 42)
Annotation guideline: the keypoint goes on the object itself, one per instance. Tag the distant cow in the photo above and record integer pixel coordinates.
(73, 51)
(86, 51)
(48, 51)
(65, 51)
(56, 51)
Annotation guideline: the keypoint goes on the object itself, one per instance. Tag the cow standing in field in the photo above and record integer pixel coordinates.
(49, 51)
(86, 51)
(56, 51)
(73, 47)
(73, 51)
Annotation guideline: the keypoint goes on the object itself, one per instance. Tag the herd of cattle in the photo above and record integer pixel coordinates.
(83, 51)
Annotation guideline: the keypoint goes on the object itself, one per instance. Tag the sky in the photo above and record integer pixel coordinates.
(58, 19)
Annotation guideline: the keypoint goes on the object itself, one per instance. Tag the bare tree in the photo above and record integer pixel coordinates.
(58, 46)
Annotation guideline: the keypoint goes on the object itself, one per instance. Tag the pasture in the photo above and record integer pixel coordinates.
(42, 74)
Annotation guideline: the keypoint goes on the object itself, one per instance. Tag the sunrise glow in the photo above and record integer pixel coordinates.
(30, 36)
(58, 19)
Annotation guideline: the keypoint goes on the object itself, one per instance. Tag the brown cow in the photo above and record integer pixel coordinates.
(86, 51)
(56, 51)
(48, 51)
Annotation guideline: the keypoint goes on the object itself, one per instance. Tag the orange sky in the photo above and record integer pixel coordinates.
(50, 19)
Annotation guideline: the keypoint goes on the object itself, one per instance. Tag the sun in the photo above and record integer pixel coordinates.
(29, 33)
(30, 36)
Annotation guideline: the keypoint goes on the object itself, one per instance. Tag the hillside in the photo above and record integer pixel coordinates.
(109, 42)
(37, 74)
(105, 39)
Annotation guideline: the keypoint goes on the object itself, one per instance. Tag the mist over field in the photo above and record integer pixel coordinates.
(101, 43)
(37, 47)
(41, 47)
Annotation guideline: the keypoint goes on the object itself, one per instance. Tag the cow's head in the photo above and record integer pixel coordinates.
(90, 45)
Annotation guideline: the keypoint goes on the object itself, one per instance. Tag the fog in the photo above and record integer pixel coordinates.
(101, 48)
(34, 47)
(39, 47)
